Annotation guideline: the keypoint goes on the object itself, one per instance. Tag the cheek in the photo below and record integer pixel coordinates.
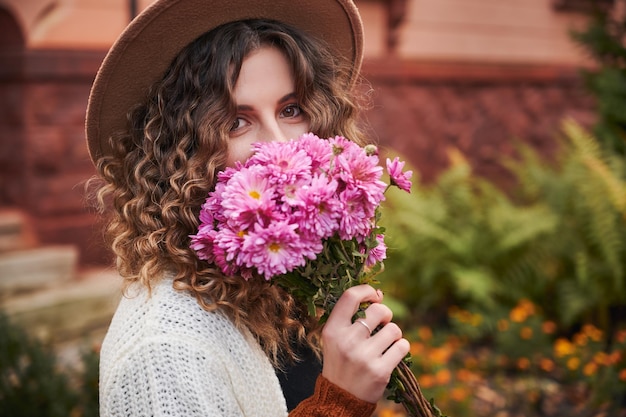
(294, 131)
(238, 151)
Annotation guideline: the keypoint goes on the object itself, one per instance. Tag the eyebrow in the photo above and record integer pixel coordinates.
(284, 99)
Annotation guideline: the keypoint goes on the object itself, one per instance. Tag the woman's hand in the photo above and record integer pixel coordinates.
(354, 360)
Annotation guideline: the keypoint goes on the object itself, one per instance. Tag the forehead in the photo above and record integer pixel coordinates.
(265, 70)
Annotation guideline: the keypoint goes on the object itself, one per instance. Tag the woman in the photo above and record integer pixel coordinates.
(201, 81)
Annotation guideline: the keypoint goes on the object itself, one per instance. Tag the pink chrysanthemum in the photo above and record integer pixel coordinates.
(272, 250)
(281, 208)
(354, 222)
(248, 197)
(320, 151)
(341, 145)
(206, 215)
(320, 209)
(202, 243)
(399, 178)
(358, 170)
(227, 247)
(285, 164)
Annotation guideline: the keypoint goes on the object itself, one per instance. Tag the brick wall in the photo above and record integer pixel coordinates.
(424, 109)
(43, 157)
(419, 109)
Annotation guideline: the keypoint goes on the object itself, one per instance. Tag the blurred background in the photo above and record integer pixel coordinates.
(506, 262)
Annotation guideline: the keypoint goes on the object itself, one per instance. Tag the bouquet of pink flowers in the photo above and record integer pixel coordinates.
(304, 214)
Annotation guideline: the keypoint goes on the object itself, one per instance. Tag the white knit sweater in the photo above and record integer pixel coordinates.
(164, 355)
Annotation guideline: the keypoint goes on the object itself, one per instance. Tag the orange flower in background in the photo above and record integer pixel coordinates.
(622, 375)
(522, 310)
(443, 376)
(601, 358)
(620, 336)
(518, 315)
(427, 380)
(580, 339)
(523, 363)
(416, 349)
(546, 364)
(526, 333)
(563, 347)
(615, 357)
(459, 394)
(548, 327)
(573, 363)
(424, 333)
(465, 375)
(590, 368)
(440, 355)
(592, 332)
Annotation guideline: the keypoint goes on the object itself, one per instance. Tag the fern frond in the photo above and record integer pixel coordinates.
(590, 152)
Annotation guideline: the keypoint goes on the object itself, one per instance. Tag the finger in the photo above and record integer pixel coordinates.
(377, 314)
(362, 323)
(384, 338)
(349, 302)
(396, 352)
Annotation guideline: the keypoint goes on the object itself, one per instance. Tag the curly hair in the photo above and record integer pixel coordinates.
(163, 166)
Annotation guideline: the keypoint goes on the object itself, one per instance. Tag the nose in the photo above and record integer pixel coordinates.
(272, 131)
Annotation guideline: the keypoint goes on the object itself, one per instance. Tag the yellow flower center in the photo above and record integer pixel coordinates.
(274, 247)
(254, 194)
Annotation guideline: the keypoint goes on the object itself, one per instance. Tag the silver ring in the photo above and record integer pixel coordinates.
(361, 321)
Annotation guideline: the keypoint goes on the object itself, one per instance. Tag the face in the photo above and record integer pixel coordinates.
(267, 108)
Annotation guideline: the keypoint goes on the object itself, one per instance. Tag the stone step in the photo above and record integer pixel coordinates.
(32, 269)
(15, 232)
(68, 311)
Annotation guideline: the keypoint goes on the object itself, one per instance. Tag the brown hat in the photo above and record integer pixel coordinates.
(144, 51)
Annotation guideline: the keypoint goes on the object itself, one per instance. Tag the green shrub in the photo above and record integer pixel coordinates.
(558, 239)
(604, 39)
(33, 384)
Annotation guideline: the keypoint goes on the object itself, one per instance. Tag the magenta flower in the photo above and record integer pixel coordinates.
(354, 222)
(272, 250)
(248, 197)
(285, 164)
(359, 170)
(340, 145)
(290, 203)
(202, 243)
(399, 178)
(227, 247)
(319, 150)
(320, 209)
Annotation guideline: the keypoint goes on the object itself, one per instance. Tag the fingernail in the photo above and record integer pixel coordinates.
(380, 293)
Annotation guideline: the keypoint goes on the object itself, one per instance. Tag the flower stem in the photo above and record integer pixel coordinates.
(406, 390)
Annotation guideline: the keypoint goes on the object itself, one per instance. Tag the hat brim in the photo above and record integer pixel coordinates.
(145, 49)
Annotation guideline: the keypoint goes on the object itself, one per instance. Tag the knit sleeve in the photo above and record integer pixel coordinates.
(168, 378)
(330, 400)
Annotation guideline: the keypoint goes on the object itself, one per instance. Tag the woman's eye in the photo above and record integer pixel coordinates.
(238, 124)
(292, 110)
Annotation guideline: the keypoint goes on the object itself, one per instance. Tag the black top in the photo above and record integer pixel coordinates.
(298, 379)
